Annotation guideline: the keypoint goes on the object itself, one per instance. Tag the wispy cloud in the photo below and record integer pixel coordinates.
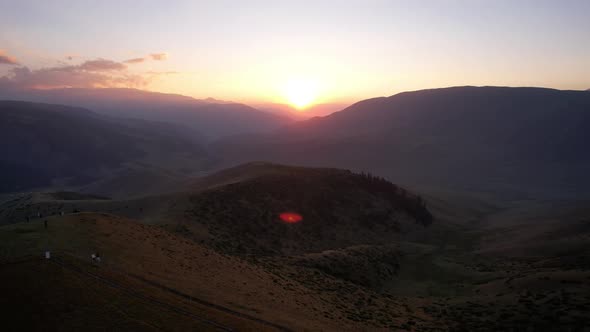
(7, 59)
(97, 73)
(153, 56)
(134, 60)
(162, 72)
(101, 65)
(159, 56)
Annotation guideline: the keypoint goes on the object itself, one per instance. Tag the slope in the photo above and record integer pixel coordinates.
(132, 252)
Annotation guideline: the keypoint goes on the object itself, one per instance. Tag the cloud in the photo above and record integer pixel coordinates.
(159, 56)
(7, 59)
(162, 72)
(99, 73)
(153, 56)
(101, 65)
(135, 60)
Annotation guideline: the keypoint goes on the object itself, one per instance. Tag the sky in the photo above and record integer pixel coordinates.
(294, 51)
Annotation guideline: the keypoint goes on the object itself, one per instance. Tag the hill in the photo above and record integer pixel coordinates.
(338, 209)
(209, 118)
(331, 201)
(48, 144)
(528, 141)
(240, 212)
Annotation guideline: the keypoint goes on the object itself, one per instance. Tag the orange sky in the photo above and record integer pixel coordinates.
(298, 52)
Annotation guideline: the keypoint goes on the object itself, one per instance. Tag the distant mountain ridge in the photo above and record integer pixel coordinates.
(210, 118)
(469, 137)
(41, 143)
(314, 110)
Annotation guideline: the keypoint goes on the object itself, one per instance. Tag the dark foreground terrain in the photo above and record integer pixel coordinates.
(367, 255)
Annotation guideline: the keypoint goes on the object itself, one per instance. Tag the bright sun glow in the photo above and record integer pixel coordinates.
(301, 93)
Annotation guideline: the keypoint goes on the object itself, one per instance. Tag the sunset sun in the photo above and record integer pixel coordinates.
(300, 93)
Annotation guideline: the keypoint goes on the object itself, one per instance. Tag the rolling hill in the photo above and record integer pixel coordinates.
(238, 212)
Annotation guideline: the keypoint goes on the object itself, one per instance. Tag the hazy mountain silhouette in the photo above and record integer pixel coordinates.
(40, 143)
(309, 112)
(476, 137)
(210, 118)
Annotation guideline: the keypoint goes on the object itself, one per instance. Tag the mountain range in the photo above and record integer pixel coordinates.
(44, 145)
(528, 141)
(205, 118)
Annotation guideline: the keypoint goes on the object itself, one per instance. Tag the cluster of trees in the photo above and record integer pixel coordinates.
(411, 203)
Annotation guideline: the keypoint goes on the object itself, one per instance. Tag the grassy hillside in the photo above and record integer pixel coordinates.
(131, 249)
(363, 256)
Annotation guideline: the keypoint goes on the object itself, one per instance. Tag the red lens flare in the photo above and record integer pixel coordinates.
(290, 217)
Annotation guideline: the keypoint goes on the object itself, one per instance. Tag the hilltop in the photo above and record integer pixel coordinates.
(339, 209)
